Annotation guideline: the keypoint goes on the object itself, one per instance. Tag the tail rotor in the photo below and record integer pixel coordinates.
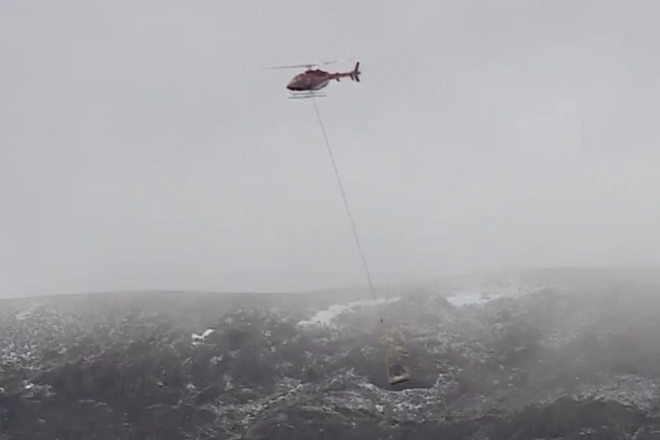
(355, 74)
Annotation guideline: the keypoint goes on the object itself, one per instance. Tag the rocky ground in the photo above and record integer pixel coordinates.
(561, 355)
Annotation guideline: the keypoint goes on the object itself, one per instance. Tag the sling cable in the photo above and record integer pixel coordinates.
(397, 373)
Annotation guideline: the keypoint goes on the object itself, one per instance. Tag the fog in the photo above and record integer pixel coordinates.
(144, 146)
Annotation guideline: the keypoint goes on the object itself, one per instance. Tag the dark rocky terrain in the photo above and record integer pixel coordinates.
(569, 354)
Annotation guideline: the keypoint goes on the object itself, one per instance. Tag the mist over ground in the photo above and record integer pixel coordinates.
(144, 148)
(562, 354)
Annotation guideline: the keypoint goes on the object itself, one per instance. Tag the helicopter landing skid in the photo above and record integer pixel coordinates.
(307, 95)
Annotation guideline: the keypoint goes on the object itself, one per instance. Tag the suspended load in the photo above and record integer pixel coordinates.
(398, 374)
(396, 355)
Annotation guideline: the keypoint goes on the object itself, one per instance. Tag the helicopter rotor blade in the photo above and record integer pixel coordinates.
(294, 66)
(308, 65)
(324, 63)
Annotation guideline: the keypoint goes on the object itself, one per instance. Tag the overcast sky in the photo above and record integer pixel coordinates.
(143, 146)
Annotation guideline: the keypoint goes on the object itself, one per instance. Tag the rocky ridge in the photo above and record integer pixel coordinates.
(559, 355)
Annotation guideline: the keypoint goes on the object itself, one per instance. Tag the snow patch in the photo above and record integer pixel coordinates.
(479, 292)
(325, 317)
(203, 336)
(469, 298)
(25, 314)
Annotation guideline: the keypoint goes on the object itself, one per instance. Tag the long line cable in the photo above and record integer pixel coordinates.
(365, 265)
(386, 344)
(385, 339)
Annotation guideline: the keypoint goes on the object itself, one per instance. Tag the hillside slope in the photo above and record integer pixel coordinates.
(508, 357)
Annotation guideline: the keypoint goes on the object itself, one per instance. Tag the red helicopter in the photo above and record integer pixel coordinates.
(308, 83)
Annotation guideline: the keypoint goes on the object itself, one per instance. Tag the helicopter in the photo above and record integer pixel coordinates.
(310, 82)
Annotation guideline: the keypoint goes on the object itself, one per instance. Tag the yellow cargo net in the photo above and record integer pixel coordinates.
(395, 355)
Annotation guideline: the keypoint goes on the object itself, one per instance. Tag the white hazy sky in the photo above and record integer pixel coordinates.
(143, 146)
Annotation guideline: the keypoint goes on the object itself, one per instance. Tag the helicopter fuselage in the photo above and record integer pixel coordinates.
(311, 80)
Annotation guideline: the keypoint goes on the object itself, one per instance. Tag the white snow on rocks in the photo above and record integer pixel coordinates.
(468, 298)
(203, 336)
(628, 390)
(465, 291)
(27, 312)
(325, 317)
